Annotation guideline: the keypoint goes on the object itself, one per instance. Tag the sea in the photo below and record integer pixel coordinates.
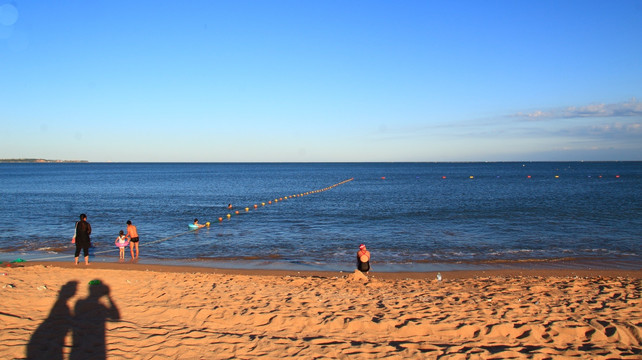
(314, 216)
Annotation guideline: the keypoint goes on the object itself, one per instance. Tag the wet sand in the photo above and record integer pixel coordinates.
(141, 311)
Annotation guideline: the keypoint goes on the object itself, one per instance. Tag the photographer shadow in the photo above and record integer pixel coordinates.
(90, 316)
(87, 325)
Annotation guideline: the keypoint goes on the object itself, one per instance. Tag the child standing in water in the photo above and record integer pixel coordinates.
(121, 242)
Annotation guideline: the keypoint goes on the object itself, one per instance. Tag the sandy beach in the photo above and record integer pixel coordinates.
(135, 311)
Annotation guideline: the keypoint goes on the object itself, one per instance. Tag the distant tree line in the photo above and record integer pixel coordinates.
(39, 161)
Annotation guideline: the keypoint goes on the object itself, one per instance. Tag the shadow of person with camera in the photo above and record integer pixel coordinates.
(90, 316)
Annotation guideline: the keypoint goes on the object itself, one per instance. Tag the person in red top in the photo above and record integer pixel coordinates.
(132, 235)
(363, 259)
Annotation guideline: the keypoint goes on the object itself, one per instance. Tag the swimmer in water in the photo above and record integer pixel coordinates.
(197, 224)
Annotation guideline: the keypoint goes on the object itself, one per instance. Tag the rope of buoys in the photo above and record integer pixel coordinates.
(530, 176)
(281, 199)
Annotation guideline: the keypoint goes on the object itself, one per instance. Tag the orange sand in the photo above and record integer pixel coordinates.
(163, 312)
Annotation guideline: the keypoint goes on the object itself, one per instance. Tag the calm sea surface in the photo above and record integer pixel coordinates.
(412, 216)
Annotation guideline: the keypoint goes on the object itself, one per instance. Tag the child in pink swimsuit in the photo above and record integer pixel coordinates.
(122, 242)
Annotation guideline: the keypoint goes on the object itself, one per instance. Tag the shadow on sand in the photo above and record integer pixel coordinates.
(49, 338)
(87, 325)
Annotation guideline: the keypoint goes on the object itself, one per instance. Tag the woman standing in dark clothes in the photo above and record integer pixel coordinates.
(83, 230)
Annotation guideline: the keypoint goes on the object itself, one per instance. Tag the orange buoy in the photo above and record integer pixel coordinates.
(236, 212)
(220, 219)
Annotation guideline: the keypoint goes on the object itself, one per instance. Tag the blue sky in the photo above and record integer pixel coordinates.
(321, 80)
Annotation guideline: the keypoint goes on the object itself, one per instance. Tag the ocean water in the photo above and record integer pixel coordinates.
(412, 216)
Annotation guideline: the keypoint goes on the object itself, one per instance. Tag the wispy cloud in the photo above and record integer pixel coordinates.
(625, 109)
(616, 130)
(619, 121)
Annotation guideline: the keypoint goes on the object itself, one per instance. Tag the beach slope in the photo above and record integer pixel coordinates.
(160, 312)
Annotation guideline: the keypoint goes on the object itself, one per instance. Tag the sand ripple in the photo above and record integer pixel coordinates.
(164, 315)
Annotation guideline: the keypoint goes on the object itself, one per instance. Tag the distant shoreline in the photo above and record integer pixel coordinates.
(40, 161)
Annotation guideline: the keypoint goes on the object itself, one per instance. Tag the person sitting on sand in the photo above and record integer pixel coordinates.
(363, 259)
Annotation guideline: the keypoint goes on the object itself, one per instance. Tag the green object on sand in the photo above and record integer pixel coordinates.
(18, 260)
(94, 282)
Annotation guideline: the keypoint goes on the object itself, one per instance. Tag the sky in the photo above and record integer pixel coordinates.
(321, 81)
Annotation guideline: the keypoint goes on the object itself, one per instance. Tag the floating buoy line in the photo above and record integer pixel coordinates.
(276, 200)
(472, 177)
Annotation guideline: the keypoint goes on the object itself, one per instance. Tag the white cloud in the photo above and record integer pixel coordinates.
(615, 130)
(625, 109)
